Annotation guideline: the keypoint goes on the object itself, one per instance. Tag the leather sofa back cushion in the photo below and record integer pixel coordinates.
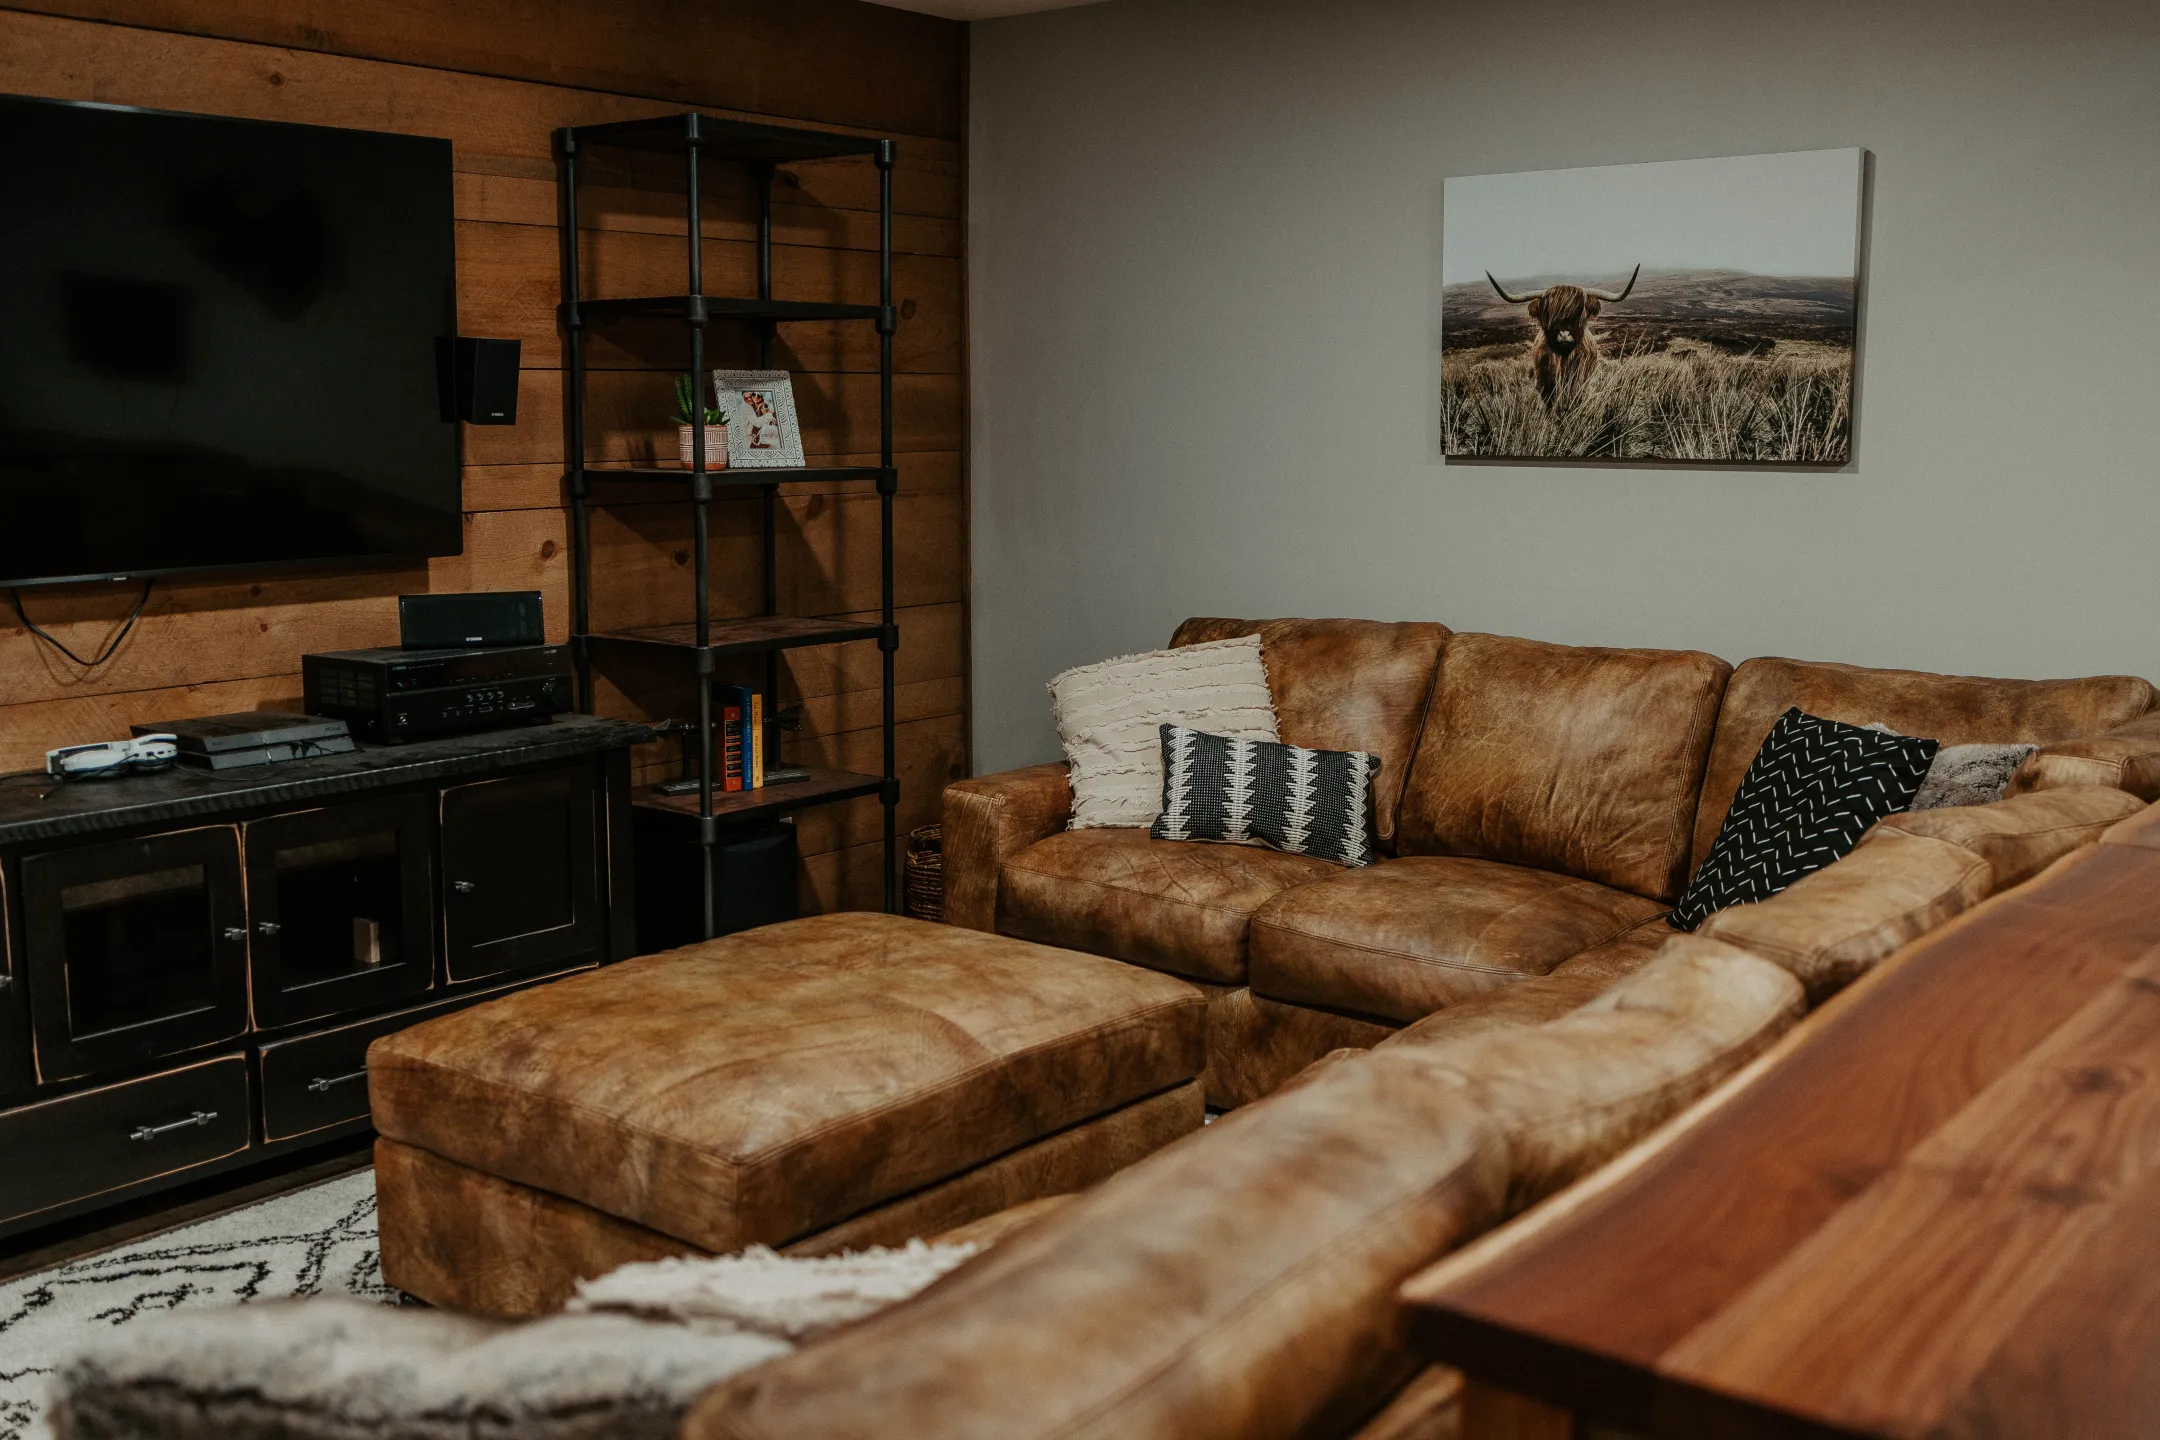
(1833, 926)
(1584, 761)
(1955, 709)
(1344, 685)
(2025, 834)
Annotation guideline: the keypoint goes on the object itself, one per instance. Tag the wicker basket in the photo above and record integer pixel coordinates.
(925, 874)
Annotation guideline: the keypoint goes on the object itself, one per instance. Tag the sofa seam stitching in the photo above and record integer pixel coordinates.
(1014, 864)
(1435, 962)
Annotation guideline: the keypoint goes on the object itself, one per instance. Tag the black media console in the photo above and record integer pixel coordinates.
(192, 964)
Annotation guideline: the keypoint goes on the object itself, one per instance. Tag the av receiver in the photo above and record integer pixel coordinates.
(391, 696)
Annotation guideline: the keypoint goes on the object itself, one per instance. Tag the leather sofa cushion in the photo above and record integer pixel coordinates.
(1240, 1284)
(1955, 709)
(1571, 984)
(1173, 905)
(2141, 829)
(1344, 685)
(1403, 938)
(1830, 927)
(2025, 834)
(1582, 761)
(758, 1087)
(2126, 757)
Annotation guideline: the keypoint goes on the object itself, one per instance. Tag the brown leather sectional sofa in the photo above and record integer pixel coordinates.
(1534, 1016)
(1541, 807)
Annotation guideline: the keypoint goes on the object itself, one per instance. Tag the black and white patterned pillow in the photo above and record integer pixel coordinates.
(1310, 802)
(1811, 793)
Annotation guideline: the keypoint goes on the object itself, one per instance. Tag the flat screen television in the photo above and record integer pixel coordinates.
(217, 344)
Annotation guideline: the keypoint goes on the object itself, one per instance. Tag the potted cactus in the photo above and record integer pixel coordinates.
(685, 422)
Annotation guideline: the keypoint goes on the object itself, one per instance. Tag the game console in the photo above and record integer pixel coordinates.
(252, 737)
(109, 759)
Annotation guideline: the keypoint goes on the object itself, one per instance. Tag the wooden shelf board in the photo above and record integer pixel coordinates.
(822, 788)
(738, 476)
(722, 307)
(737, 637)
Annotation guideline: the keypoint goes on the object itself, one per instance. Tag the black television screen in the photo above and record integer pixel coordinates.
(217, 343)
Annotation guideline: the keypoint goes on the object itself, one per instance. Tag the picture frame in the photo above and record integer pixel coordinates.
(762, 431)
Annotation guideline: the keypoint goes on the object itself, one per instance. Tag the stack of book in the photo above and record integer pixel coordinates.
(742, 724)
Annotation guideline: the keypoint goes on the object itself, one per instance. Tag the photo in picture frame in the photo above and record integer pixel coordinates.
(762, 433)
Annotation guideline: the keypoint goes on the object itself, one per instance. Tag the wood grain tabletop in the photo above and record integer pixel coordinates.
(1932, 1210)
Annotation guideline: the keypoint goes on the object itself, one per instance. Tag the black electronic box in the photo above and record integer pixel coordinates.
(391, 696)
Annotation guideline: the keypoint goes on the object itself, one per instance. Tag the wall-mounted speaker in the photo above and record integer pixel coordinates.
(448, 622)
(477, 379)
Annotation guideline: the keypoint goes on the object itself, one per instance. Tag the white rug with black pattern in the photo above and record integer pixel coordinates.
(318, 1241)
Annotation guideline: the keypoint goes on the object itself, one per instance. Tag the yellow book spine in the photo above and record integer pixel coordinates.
(757, 740)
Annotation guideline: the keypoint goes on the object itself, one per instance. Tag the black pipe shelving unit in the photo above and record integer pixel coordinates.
(703, 640)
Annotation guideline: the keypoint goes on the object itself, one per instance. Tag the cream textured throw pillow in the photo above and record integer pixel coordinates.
(1110, 718)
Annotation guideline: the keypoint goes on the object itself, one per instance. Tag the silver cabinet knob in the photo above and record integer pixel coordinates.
(463, 887)
(7, 982)
(235, 932)
(267, 927)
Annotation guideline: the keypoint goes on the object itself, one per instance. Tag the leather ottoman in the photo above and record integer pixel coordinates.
(824, 1084)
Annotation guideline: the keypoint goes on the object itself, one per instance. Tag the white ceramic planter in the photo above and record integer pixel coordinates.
(715, 446)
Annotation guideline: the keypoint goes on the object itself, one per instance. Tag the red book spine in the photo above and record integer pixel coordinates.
(731, 747)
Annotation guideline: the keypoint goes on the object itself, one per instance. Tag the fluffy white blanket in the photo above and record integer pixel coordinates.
(626, 1360)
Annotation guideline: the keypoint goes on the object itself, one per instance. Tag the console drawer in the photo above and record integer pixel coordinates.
(84, 1145)
(316, 1082)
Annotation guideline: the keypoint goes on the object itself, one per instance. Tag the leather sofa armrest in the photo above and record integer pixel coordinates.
(2126, 758)
(990, 819)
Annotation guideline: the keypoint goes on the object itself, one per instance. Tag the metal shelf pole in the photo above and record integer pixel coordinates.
(768, 496)
(889, 642)
(574, 345)
(701, 526)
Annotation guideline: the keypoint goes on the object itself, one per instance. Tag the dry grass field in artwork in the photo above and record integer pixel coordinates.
(1692, 366)
(1686, 403)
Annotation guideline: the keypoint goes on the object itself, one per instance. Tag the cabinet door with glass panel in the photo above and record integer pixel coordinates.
(136, 949)
(340, 907)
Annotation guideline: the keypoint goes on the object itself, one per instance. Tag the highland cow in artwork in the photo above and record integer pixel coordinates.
(1687, 310)
(1565, 353)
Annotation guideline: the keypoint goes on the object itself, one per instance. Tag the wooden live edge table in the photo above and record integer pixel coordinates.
(1933, 1210)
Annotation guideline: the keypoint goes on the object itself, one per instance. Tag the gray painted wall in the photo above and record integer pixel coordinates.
(1205, 307)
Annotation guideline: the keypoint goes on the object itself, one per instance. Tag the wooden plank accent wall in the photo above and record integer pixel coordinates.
(496, 77)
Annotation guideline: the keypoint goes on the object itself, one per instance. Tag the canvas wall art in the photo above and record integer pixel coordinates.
(1681, 310)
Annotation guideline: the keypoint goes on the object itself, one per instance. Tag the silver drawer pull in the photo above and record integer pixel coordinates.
(151, 1132)
(321, 1084)
(236, 932)
(7, 982)
(463, 887)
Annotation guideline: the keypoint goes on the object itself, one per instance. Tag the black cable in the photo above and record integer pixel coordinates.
(15, 594)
